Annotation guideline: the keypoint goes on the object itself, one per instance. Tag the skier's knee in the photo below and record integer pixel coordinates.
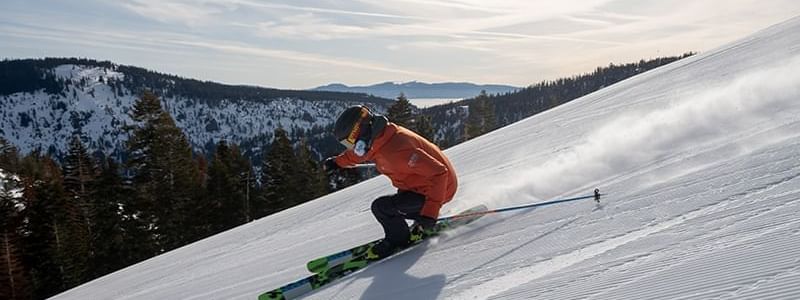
(380, 206)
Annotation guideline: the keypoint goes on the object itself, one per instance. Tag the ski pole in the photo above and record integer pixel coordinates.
(596, 197)
(363, 166)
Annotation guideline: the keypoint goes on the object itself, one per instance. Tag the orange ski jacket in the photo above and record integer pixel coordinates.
(412, 163)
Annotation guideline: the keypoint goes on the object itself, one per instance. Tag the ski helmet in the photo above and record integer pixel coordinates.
(352, 126)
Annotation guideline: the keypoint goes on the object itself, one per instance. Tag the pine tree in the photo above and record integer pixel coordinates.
(279, 183)
(114, 237)
(80, 172)
(425, 128)
(13, 275)
(309, 174)
(227, 188)
(489, 116)
(246, 180)
(164, 175)
(481, 117)
(47, 226)
(218, 189)
(202, 221)
(147, 112)
(401, 113)
(14, 278)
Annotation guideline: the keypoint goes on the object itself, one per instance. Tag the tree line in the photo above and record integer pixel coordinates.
(65, 224)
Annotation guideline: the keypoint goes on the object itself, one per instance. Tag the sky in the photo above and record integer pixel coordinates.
(302, 44)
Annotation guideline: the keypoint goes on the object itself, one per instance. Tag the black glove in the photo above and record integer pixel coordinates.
(330, 166)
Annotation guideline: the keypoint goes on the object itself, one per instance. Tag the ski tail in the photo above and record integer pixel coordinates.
(468, 216)
(321, 264)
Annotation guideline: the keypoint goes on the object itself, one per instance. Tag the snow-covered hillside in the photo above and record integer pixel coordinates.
(46, 121)
(700, 160)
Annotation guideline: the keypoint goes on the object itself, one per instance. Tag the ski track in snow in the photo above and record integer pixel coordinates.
(533, 272)
(740, 207)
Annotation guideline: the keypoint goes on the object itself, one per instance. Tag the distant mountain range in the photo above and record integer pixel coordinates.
(415, 89)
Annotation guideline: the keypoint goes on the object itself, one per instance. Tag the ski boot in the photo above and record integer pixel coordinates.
(380, 250)
(418, 233)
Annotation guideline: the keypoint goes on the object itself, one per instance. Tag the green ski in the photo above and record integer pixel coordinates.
(320, 264)
(332, 267)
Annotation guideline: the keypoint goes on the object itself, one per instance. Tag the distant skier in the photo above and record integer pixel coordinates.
(422, 174)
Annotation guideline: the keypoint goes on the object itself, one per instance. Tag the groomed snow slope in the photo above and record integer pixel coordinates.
(701, 161)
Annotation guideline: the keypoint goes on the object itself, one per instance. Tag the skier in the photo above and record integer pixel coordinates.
(422, 174)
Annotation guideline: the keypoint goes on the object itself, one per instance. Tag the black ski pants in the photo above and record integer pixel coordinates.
(392, 211)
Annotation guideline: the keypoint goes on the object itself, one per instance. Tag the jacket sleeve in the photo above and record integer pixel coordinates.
(423, 164)
(348, 158)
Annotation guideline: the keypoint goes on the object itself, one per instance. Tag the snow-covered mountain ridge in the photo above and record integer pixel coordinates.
(96, 101)
(700, 160)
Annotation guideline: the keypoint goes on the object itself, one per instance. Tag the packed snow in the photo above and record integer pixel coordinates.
(700, 160)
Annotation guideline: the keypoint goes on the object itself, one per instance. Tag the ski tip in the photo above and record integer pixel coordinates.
(479, 207)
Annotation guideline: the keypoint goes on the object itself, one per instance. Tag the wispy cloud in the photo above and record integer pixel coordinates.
(93, 38)
(169, 11)
(322, 10)
(180, 43)
(304, 57)
(364, 41)
(305, 26)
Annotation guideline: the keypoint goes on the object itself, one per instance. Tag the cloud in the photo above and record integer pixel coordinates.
(177, 44)
(303, 57)
(310, 9)
(172, 11)
(92, 38)
(306, 26)
(474, 20)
